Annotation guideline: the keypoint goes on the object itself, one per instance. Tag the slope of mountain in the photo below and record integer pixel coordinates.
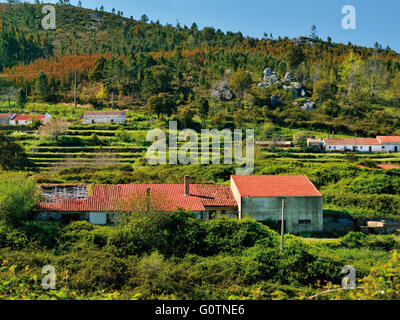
(125, 62)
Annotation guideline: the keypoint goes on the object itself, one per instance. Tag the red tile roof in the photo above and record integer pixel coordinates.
(353, 142)
(26, 117)
(275, 186)
(216, 196)
(388, 139)
(169, 197)
(6, 115)
(104, 113)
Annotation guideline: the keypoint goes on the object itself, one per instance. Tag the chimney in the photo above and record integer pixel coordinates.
(333, 134)
(187, 186)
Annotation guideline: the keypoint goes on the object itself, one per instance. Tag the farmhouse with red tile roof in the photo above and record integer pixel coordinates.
(378, 144)
(25, 119)
(259, 197)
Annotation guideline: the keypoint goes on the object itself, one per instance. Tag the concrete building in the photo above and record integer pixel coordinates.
(260, 197)
(104, 117)
(26, 119)
(5, 118)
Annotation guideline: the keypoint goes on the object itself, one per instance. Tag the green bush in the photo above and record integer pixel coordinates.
(230, 235)
(18, 196)
(354, 239)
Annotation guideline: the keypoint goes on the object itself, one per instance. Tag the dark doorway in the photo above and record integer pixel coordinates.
(370, 149)
(396, 149)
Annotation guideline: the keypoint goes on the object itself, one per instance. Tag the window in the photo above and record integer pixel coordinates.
(304, 222)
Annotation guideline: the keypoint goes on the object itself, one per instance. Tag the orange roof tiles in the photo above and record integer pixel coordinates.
(388, 139)
(108, 198)
(275, 186)
(216, 196)
(353, 141)
(6, 115)
(26, 117)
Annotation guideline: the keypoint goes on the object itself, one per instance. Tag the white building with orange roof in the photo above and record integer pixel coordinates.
(378, 144)
(389, 143)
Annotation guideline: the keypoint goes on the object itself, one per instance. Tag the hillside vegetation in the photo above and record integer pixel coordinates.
(124, 62)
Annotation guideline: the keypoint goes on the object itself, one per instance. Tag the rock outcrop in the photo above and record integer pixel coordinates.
(269, 78)
(296, 88)
(221, 91)
(308, 105)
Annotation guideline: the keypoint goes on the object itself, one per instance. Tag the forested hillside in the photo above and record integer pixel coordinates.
(143, 65)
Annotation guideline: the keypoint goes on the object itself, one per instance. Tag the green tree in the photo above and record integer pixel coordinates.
(295, 56)
(22, 98)
(157, 79)
(185, 116)
(12, 155)
(322, 90)
(240, 82)
(163, 103)
(42, 86)
(203, 108)
(18, 196)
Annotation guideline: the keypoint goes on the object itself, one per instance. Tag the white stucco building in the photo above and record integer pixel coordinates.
(389, 143)
(378, 144)
(26, 119)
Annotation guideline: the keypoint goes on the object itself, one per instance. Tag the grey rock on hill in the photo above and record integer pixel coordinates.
(220, 91)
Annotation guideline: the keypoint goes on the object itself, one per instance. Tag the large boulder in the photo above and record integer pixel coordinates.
(267, 72)
(296, 88)
(220, 91)
(308, 106)
(269, 78)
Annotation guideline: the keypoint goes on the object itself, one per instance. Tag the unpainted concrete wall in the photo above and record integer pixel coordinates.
(296, 208)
